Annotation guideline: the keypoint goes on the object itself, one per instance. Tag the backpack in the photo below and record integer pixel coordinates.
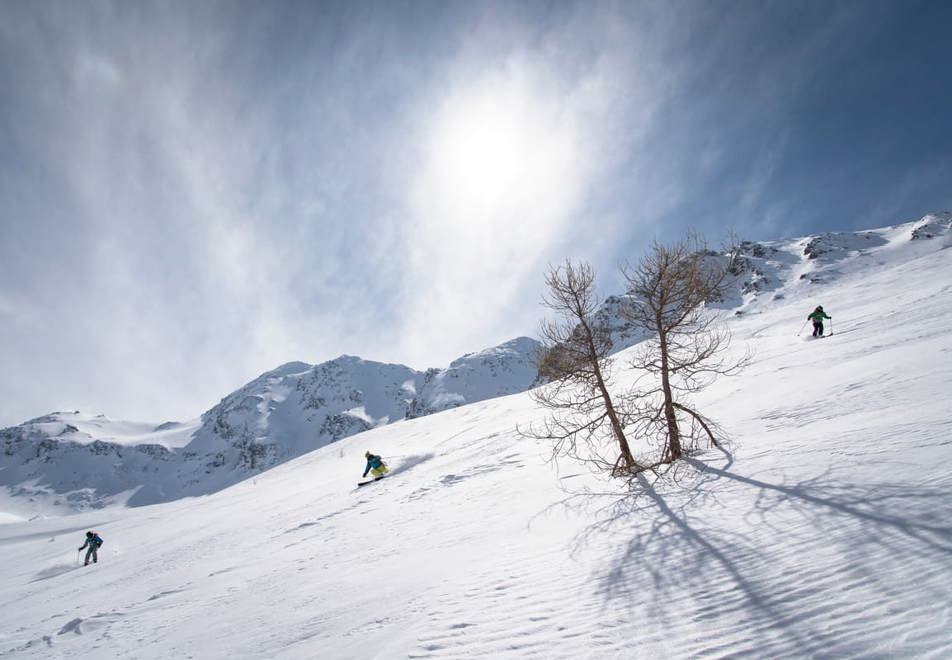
(97, 540)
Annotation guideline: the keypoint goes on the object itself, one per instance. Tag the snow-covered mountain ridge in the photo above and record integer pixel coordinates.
(72, 461)
(763, 273)
(821, 531)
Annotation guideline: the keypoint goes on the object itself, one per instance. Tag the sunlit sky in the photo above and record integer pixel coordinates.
(192, 193)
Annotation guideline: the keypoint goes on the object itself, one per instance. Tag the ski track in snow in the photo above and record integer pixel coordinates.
(822, 530)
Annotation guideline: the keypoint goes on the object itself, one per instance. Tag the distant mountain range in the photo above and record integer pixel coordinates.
(76, 460)
(69, 461)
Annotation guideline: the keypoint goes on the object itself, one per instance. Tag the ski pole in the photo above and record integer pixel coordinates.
(78, 552)
(831, 325)
(805, 325)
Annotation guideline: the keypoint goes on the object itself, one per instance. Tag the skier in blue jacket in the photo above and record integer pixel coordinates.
(376, 465)
(92, 542)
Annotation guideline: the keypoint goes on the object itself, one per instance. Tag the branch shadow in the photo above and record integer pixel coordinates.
(871, 505)
(675, 564)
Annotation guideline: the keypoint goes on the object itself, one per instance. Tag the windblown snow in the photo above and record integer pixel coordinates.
(821, 531)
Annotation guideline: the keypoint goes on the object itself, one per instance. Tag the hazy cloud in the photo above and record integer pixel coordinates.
(193, 193)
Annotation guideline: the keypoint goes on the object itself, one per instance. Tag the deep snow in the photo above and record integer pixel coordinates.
(822, 532)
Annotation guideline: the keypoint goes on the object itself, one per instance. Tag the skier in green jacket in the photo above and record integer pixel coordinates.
(817, 317)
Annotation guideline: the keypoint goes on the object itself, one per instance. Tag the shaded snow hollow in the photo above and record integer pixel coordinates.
(823, 531)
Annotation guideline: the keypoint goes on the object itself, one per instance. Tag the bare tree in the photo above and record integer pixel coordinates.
(688, 348)
(585, 424)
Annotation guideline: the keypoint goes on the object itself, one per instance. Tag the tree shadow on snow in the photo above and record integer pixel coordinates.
(885, 513)
(670, 553)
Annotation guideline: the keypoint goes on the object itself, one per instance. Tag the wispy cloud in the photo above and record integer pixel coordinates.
(191, 194)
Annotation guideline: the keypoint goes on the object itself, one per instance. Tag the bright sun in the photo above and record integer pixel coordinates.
(483, 155)
(500, 169)
(481, 148)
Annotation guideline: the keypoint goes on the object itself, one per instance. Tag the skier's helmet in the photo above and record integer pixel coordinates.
(367, 454)
(819, 307)
(89, 534)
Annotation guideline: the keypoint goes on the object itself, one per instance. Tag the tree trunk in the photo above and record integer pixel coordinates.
(674, 435)
(616, 425)
(617, 429)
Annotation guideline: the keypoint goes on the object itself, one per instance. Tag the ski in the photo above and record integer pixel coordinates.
(369, 481)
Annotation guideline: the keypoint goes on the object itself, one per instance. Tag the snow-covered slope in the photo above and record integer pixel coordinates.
(768, 271)
(72, 461)
(823, 532)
